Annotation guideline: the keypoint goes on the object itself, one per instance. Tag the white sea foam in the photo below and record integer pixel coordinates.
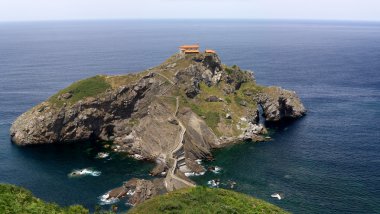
(276, 195)
(216, 170)
(213, 183)
(102, 155)
(129, 204)
(130, 192)
(189, 174)
(84, 172)
(104, 200)
(138, 157)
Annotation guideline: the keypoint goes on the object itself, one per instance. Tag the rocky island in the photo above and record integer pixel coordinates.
(173, 114)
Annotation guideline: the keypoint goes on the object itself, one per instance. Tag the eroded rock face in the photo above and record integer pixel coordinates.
(199, 139)
(279, 104)
(207, 70)
(91, 118)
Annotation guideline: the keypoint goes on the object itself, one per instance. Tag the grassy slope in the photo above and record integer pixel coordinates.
(205, 200)
(15, 199)
(81, 89)
(93, 86)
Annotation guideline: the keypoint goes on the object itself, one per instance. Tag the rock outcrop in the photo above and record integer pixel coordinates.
(172, 114)
(279, 104)
(138, 190)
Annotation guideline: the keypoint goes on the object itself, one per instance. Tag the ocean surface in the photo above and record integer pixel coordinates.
(326, 162)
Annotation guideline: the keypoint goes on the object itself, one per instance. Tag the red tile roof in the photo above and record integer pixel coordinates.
(191, 51)
(210, 51)
(189, 46)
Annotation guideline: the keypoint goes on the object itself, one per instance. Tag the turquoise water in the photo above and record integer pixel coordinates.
(326, 162)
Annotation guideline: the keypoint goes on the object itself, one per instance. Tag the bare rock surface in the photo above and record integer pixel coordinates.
(279, 104)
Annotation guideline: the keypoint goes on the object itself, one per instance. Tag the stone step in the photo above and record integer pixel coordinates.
(181, 164)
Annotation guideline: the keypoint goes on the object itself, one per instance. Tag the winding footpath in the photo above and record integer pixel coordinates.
(169, 183)
(179, 146)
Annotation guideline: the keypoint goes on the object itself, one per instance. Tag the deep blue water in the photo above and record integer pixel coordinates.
(327, 162)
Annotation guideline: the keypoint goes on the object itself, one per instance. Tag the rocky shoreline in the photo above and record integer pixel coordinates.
(173, 114)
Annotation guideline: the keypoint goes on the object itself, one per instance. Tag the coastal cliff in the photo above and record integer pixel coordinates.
(173, 114)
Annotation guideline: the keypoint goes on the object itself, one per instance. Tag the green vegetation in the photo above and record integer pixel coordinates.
(229, 70)
(81, 89)
(18, 200)
(239, 103)
(205, 200)
(133, 122)
(119, 80)
(211, 116)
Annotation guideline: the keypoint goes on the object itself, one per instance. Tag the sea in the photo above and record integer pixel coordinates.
(326, 162)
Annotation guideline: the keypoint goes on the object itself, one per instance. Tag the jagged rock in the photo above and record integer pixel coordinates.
(145, 189)
(194, 166)
(258, 138)
(119, 192)
(228, 116)
(173, 121)
(213, 99)
(138, 190)
(253, 132)
(160, 168)
(65, 96)
(193, 90)
(279, 104)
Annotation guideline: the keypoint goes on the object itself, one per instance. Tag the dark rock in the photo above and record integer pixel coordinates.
(173, 121)
(159, 169)
(279, 104)
(213, 99)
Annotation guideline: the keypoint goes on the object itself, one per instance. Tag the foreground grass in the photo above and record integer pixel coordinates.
(18, 200)
(205, 200)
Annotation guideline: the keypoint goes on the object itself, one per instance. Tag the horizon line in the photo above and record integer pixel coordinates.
(188, 19)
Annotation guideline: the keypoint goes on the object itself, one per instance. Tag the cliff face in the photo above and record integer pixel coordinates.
(174, 113)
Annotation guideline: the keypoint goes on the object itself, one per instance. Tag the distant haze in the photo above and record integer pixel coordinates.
(30, 10)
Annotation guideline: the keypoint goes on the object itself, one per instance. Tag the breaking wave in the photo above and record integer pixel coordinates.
(84, 172)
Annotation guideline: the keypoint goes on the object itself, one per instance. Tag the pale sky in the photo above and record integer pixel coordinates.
(31, 10)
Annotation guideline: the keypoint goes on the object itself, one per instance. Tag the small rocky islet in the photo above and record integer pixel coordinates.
(173, 114)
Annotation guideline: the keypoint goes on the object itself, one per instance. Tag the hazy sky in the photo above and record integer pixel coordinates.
(29, 10)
